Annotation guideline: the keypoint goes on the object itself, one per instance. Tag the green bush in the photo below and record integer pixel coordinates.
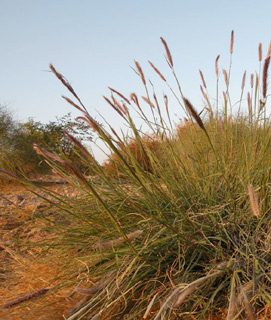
(9, 157)
(16, 142)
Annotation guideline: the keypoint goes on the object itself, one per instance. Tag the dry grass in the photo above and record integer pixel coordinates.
(134, 150)
(177, 229)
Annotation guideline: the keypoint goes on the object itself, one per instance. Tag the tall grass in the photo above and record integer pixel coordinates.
(180, 229)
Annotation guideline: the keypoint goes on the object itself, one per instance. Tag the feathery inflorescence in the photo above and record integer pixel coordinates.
(140, 72)
(169, 57)
(157, 71)
(193, 113)
(265, 75)
(254, 204)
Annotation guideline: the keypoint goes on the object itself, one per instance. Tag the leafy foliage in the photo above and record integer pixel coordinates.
(16, 141)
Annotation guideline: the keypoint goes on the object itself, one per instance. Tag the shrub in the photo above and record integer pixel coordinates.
(51, 136)
(9, 157)
(16, 142)
(188, 232)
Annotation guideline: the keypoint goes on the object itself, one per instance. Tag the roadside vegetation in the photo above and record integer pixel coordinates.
(176, 224)
(16, 142)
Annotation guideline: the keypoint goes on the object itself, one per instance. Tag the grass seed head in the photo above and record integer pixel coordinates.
(119, 94)
(193, 113)
(148, 101)
(225, 76)
(169, 57)
(140, 72)
(260, 52)
(243, 81)
(216, 65)
(232, 41)
(113, 106)
(269, 50)
(202, 79)
(254, 204)
(157, 71)
(265, 75)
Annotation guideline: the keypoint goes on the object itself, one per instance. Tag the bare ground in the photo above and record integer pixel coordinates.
(25, 274)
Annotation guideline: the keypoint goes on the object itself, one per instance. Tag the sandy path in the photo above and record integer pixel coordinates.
(23, 271)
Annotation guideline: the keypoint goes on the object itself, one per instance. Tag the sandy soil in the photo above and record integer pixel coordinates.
(24, 274)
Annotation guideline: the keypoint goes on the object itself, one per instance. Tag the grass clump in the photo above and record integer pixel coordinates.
(186, 234)
(141, 153)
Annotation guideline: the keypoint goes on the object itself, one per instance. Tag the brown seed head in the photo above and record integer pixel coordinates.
(269, 50)
(157, 71)
(166, 102)
(123, 110)
(193, 113)
(25, 298)
(203, 93)
(243, 81)
(124, 107)
(50, 156)
(73, 104)
(265, 75)
(140, 72)
(169, 57)
(91, 122)
(148, 101)
(260, 52)
(9, 174)
(166, 99)
(133, 97)
(119, 94)
(232, 40)
(115, 134)
(216, 65)
(251, 80)
(156, 101)
(73, 139)
(202, 79)
(225, 77)
(254, 204)
(65, 82)
(113, 106)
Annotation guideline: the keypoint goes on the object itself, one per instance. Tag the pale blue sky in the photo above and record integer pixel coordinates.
(93, 43)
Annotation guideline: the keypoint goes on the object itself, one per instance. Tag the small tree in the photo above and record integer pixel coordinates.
(16, 141)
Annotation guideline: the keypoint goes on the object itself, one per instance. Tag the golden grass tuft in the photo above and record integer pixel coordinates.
(254, 204)
(113, 165)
